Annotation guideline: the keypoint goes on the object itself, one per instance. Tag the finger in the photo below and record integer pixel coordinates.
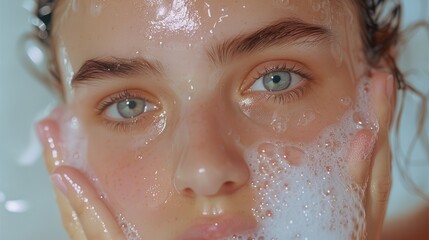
(359, 157)
(379, 190)
(48, 132)
(84, 215)
(380, 178)
(69, 218)
(95, 218)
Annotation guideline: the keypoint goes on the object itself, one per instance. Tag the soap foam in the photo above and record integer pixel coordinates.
(312, 197)
(303, 190)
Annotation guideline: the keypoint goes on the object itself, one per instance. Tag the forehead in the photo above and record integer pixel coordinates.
(188, 19)
(121, 28)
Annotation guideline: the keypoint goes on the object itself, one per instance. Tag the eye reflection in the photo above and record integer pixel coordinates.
(276, 81)
(128, 108)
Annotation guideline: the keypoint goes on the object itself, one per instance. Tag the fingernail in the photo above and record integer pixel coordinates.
(389, 87)
(57, 113)
(42, 131)
(58, 182)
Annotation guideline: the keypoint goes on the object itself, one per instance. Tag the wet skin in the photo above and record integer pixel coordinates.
(180, 165)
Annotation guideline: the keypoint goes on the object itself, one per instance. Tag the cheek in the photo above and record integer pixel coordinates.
(320, 105)
(130, 177)
(301, 184)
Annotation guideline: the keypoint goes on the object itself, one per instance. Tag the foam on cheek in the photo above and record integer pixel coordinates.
(304, 190)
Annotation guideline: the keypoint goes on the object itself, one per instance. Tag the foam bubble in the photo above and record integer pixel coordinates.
(304, 190)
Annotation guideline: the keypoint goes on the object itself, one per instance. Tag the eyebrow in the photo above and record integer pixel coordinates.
(100, 68)
(287, 31)
(284, 32)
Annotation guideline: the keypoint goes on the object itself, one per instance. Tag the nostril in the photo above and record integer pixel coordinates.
(226, 187)
(187, 192)
(208, 173)
(229, 186)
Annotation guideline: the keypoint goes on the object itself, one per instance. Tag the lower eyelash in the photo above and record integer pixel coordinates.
(286, 97)
(123, 126)
(120, 126)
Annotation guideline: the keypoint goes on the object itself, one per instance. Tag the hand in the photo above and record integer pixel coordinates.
(375, 169)
(84, 214)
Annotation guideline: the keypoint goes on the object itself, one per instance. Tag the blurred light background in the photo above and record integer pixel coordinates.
(27, 205)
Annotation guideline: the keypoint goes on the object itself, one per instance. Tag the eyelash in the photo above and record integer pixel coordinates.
(289, 95)
(124, 124)
(280, 97)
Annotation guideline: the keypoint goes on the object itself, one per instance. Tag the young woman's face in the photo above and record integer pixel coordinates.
(202, 119)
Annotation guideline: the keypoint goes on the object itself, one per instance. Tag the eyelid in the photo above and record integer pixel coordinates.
(272, 66)
(115, 98)
(126, 124)
(124, 94)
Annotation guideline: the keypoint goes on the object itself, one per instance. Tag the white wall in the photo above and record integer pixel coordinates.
(23, 187)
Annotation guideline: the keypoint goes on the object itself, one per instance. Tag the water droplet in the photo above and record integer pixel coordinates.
(346, 101)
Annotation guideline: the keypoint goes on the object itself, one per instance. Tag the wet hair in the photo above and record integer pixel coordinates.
(381, 35)
(380, 32)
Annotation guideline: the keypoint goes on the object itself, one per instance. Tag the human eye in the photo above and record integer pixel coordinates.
(279, 80)
(274, 93)
(126, 108)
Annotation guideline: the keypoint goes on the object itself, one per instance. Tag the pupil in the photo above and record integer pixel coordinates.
(132, 104)
(276, 78)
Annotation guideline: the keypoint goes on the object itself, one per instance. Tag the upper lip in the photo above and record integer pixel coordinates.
(218, 228)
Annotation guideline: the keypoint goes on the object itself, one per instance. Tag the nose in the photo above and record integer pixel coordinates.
(211, 162)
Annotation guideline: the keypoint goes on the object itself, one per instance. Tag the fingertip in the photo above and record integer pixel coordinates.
(390, 88)
(360, 155)
(91, 211)
(49, 137)
(382, 97)
(58, 181)
(44, 129)
(48, 127)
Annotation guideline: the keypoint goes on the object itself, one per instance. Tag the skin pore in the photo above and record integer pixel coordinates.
(197, 69)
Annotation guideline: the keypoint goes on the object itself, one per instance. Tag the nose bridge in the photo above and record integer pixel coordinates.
(210, 164)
